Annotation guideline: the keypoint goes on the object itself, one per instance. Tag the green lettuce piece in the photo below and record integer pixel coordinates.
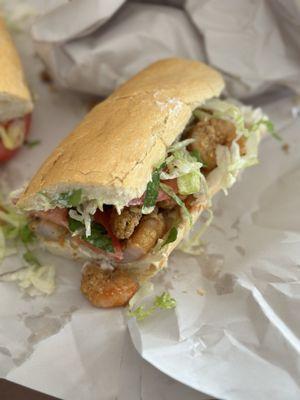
(32, 143)
(97, 238)
(172, 236)
(152, 190)
(70, 199)
(170, 192)
(189, 183)
(31, 259)
(26, 235)
(32, 279)
(196, 154)
(162, 302)
(270, 128)
(75, 225)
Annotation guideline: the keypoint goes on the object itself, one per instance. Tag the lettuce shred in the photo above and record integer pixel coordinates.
(162, 302)
(251, 124)
(192, 245)
(15, 236)
(34, 280)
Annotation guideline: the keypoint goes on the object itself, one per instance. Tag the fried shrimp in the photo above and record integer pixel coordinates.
(124, 224)
(208, 134)
(107, 289)
(150, 229)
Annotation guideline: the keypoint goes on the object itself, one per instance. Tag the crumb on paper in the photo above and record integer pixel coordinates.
(46, 77)
(285, 148)
(201, 292)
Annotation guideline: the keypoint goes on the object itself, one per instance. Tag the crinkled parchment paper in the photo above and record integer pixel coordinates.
(235, 331)
(255, 44)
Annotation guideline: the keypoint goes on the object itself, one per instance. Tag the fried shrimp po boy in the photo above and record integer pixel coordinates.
(129, 182)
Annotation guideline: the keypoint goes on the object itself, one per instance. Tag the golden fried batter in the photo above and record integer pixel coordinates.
(149, 230)
(124, 224)
(106, 289)
(167, 204)
(208, 134)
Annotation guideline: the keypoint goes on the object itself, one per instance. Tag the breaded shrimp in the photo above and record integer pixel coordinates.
(208, 134)
(150, 229)
(124, 224)
(107, 289)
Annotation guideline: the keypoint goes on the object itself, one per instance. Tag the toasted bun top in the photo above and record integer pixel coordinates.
(15, 98)
(112, 152)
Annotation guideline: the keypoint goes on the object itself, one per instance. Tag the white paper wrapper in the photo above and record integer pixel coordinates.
(255, 44)
(238, 340)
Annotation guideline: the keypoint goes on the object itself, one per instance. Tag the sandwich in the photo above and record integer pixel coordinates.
(15, 99)
(125, 187)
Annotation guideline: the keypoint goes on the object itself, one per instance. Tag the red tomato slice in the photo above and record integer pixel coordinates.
(103, 218)
(6, 154)
(172, 183)
(58, 216)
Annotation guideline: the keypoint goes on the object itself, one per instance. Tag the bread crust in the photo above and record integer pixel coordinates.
(113, 151)
(15, 98)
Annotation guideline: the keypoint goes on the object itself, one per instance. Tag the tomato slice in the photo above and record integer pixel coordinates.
(6, 154)
(58, 216)
(103, 218)
(172, 183)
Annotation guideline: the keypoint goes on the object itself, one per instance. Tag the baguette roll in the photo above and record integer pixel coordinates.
(111, 154)
(15, 98)
(129, 182)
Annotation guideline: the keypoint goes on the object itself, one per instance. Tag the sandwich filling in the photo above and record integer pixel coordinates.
(12, 135)
(220, 140)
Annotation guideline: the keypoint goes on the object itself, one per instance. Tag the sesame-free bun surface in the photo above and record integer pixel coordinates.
(15, 98)
(112, 152)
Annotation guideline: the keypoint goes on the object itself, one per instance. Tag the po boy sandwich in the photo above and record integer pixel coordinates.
(15, 99)
(129, 182)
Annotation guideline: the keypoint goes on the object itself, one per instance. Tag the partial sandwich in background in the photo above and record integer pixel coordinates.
(15, 99)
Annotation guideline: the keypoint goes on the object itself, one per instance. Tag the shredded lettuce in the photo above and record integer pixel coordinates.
(98, 236)
(162, 302)
(180, 163)
(72, 198)
(31, 259)
(269, 126)
(250, 124)
(226, 110)
(192, 245)
(34, 280)
(172, 236)
(196, 154)
(170, 192)
(184, 166)
(152, 191)
(189, 183)
(145, 290)
(32, 143)
(180, 145)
